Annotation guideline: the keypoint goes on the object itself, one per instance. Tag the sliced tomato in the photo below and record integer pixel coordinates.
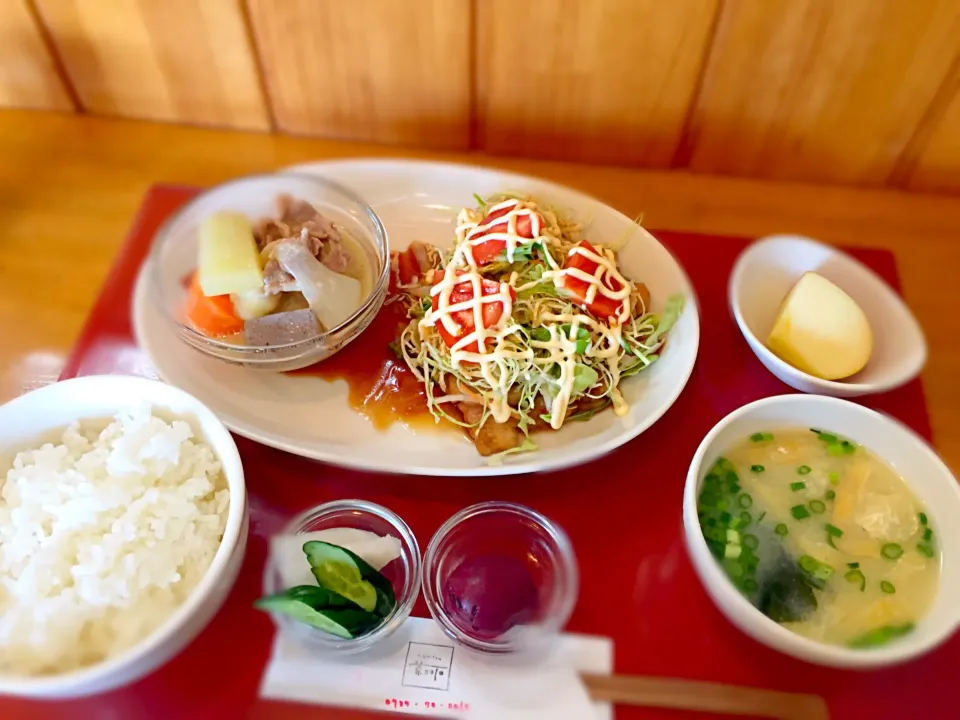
(601, 306)
(409, 266)
(464, 292)
(489, 250)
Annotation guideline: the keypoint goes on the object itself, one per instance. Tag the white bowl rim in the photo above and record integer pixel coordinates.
(226, 450)
(767, 631)
(760, 347)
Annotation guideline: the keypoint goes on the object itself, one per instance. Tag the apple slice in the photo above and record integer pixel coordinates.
(821, 330)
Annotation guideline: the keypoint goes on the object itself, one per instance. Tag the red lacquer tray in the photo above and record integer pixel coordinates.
(623, 513)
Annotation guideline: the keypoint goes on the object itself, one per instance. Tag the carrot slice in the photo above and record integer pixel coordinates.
(213, 315)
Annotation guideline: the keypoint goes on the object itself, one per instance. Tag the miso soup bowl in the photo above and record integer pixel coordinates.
(905, 451)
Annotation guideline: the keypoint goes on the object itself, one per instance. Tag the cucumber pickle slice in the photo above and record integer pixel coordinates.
(315, 607)
(344, 572)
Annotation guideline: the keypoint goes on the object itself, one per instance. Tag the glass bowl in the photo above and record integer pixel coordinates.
(174, 256)
(519, 533)
(403, 573)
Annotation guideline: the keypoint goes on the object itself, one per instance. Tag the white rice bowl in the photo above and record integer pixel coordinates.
(102, 537)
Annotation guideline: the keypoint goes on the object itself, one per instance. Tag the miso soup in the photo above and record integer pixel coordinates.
(821, 536)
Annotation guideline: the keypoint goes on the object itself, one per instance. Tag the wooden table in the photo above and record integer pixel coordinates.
(69, 186)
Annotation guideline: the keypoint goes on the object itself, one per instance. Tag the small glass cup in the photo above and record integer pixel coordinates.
(173, 257)
(517, 532)
(404, 573)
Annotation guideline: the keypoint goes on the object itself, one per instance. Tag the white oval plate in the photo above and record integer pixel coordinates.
(311, 417)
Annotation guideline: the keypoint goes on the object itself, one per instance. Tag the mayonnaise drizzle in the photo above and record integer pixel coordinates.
(495, 344)
(600, 281)
(471, 233)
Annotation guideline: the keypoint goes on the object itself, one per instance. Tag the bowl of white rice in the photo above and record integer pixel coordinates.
(123, 523)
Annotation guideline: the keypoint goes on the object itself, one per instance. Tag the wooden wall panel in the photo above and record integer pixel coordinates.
(383, 70)
(177, 60)
(606, 81)
(820, 90)
(28, 73)
(937, 166)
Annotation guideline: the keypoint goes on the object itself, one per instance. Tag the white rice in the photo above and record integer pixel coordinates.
(102, 537)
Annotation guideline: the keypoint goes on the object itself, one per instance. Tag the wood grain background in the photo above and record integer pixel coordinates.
(858, 92)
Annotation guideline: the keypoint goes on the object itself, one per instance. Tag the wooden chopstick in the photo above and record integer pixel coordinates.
(705, 697)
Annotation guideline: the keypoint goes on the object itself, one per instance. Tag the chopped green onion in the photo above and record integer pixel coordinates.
(887, 587)
(923, 518)
(762, 516)
(799, 512)
(745, 501)
(732, 477)
(855, 576)
(834, 530)
(803, 470)
(757, 468)
(835, 449)
(750, 541)
(891, 551)
(848, 447)
(750, 585)
(830, 495)
(781, 530)
(725, 517)
(757, 437)
(722, 505)
(818, 506)
(820, 571)
(880, 636)
(745, 518)
(823, 572)
(795, 486)
(733, 537)
(925, 549)
(927, 534)
(735, 523)
(825, 436)
(733, 568)
(731, 551)
(853, 565)
(834, 478)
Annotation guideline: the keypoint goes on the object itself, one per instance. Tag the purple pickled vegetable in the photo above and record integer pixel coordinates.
(487, 595)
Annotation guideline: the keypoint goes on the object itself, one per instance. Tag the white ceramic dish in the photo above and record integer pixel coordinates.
(35, 416)
(906, 452)
(767, 270)
(415, 200)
